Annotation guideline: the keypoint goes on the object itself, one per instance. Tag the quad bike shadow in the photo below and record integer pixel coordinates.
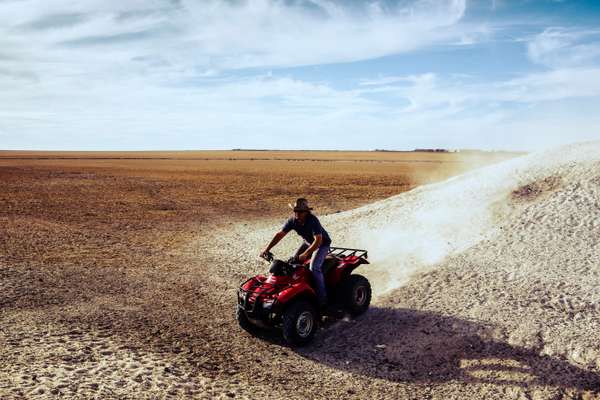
(405, 345)
(401, 345)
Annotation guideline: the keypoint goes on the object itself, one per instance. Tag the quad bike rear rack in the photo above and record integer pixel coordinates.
(342, 252)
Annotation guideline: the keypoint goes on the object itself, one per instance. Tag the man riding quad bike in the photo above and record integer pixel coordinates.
(290, 297)
(315, 246)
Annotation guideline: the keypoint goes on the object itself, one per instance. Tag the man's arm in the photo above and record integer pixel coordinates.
(278, 236)
(313, 246)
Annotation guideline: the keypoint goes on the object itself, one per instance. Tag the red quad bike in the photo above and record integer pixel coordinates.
(287, 298)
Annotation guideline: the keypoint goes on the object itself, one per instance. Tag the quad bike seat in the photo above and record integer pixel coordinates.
(329, 263)
(280, 268)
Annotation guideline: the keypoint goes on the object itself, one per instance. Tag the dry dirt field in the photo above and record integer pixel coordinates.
(110, 288)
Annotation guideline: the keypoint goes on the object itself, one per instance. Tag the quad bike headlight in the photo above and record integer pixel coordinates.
(242, 296)
(268, 303)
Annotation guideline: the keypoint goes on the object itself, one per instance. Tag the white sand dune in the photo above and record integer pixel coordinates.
(418, 229)
(515, 246)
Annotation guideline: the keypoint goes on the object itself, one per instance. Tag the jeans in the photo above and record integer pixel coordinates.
(316, 262)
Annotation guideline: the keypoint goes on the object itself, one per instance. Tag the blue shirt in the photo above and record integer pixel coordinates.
(308, 230)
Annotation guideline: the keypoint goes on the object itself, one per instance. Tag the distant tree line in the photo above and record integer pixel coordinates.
(433, 150)
(416, 150)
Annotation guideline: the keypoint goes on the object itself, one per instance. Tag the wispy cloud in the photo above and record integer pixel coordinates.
(383, 80)
(270, 33)
(217, 35)
(561, 47)
(429, 97)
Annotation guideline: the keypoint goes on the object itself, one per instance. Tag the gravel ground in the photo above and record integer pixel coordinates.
(486, 286)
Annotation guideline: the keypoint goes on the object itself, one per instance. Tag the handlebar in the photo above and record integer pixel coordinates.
(267, 256)
(293, 261)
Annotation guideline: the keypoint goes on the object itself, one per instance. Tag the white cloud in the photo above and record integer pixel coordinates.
(560, 47)
(383, 80)
(217, 34)
(428, 91)
(554, 85)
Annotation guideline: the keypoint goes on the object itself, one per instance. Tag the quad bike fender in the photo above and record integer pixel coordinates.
(297, 290)
(345, 269)
(355, 261)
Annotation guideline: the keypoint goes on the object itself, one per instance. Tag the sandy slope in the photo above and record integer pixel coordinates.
(532, 280)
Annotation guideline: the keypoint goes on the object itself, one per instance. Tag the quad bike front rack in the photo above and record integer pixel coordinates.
(263, 287)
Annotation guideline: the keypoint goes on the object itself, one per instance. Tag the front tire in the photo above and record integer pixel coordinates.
(299, 323)
(244, 322)
(356, 293)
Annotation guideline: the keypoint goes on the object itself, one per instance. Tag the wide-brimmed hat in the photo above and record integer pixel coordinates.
(300, 205)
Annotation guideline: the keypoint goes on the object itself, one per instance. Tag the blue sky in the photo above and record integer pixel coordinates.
(298, 74)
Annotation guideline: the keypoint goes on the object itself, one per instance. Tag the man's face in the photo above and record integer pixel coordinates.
(300, 215)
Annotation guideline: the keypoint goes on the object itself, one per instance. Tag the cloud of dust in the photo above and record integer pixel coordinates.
(415, 232)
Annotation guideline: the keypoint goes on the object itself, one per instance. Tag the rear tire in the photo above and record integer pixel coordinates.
(356, 294)
(299, 323)
(244, 322)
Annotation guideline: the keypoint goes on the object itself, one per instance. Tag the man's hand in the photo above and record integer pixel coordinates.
(264, 252)
(302, 257)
